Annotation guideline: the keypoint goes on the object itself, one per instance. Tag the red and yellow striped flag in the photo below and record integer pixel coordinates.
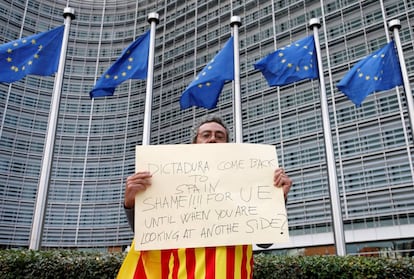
(226, 262)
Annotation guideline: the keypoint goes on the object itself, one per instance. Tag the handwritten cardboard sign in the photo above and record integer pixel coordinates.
(209, 195)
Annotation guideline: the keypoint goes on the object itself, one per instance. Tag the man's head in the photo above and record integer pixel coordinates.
(211, 130)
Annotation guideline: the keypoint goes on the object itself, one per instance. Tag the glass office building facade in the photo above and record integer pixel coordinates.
(95, 139)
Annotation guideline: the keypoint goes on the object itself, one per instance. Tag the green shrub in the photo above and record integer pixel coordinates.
(77, 264)
(58, 264)
(270, 266)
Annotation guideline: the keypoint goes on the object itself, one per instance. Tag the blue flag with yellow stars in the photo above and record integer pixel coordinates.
(291, 63)
(132, 64)
(377, 72)
(205, 89)
(34, 55)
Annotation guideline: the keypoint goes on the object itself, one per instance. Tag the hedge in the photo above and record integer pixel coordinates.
(292, 267)
(18, 264)
(77, 264)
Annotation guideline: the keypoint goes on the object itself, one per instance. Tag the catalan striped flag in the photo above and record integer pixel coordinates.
(225, 262)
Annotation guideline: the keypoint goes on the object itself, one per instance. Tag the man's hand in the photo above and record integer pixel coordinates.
(280, 179)
(136, 183)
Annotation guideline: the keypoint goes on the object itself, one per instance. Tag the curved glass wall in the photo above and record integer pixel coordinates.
(96, 139)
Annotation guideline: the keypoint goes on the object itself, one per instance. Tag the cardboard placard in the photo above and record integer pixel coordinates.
(209, 195)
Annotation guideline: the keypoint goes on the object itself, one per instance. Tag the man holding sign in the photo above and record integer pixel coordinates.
(201, 262)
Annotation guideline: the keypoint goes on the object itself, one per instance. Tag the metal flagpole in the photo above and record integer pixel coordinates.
(394, 26)
(41, 200)
(235, 23)
(153, 19)
(314, 24)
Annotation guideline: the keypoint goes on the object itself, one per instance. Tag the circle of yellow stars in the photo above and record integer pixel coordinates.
(368, 77)
(124, 73)
(203, 73)
(9, 59)
(290, 65)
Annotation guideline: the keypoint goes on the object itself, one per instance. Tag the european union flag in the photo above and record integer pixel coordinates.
(205, 89)
(377, 72)
(132, 64)
(291, 63)
(34, 55)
